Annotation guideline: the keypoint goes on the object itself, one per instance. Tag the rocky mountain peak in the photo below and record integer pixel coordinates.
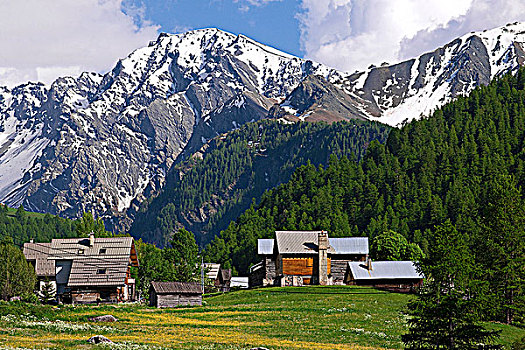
(106, 142)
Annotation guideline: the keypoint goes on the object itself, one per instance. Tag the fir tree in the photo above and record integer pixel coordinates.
(446, 312)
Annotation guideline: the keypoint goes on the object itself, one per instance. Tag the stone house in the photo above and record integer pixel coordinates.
(296, 258)
(86, 270)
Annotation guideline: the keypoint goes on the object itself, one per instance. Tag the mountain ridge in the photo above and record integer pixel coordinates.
(104, 143)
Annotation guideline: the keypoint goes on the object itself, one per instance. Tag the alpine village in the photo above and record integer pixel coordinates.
(212, 192)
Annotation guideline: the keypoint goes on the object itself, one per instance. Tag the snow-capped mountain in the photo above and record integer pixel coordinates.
(104, 143)
(393, 94)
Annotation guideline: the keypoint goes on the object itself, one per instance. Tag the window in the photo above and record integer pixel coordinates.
(102, 251)
(80, 251)
(101, 271)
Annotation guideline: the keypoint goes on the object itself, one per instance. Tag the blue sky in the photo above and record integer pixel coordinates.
(43, 40)
(274, 23)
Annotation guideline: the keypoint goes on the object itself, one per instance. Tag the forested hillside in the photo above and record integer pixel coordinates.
(464, 163)
(21, 226)
(205, 193)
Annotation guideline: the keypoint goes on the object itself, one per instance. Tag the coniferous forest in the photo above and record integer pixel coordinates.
(205, 193)
(464, 165)
(21, 226)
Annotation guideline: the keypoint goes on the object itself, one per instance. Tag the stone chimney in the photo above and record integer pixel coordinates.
(323, 258)
(369, 264)
(91, 239)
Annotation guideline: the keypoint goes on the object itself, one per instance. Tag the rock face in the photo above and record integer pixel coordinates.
(104, 143)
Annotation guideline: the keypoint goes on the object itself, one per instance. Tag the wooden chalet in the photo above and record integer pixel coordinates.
(296, 258)
(173, 294)
(401, 276)
(87, 270)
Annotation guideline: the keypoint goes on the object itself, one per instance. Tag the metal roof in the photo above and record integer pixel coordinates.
(384, 270)
(298, 242)
(265, 246)
(242, 282)
(305, 242)
(213, 270)
(176, 287)
(349, 245)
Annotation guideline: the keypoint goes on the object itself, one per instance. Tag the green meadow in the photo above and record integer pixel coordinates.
(275, 318)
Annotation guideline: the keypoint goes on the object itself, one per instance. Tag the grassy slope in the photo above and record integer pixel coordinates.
(12, 213)
(276, 318)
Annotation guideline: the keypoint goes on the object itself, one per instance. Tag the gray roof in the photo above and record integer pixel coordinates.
(298, 242)
(305, 242)
(242, 282)
(93, 272)
(213, 271)
(384, 270)
(105, 263)
(79, 248)
(38, 252)
(265, 246)
(349, 245)
(176, 287)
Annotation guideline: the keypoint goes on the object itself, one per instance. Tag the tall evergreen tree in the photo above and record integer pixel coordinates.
(502, 247)
(17, 276)
(446, 312)
(88, 224)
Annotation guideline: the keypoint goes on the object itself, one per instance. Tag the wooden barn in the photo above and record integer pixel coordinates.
(296, 258)
(400, 276)
(173, 294)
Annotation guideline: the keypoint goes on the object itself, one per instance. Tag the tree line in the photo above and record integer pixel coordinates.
(205, 193)
(463, 165)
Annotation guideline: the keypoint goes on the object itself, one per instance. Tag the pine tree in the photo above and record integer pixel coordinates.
(502, 247)
(184, 255)
(446, 312)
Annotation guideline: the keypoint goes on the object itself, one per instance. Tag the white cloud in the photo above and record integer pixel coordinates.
(352, 34)
(41, 40)
(482, 14)
(246, 5)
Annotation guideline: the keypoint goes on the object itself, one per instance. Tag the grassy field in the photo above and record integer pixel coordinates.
(12, 213)
(275, 318)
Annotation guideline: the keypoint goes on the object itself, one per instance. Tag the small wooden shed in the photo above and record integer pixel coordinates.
(172, 294)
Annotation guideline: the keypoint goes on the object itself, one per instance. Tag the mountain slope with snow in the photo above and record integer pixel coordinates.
(104, 143)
